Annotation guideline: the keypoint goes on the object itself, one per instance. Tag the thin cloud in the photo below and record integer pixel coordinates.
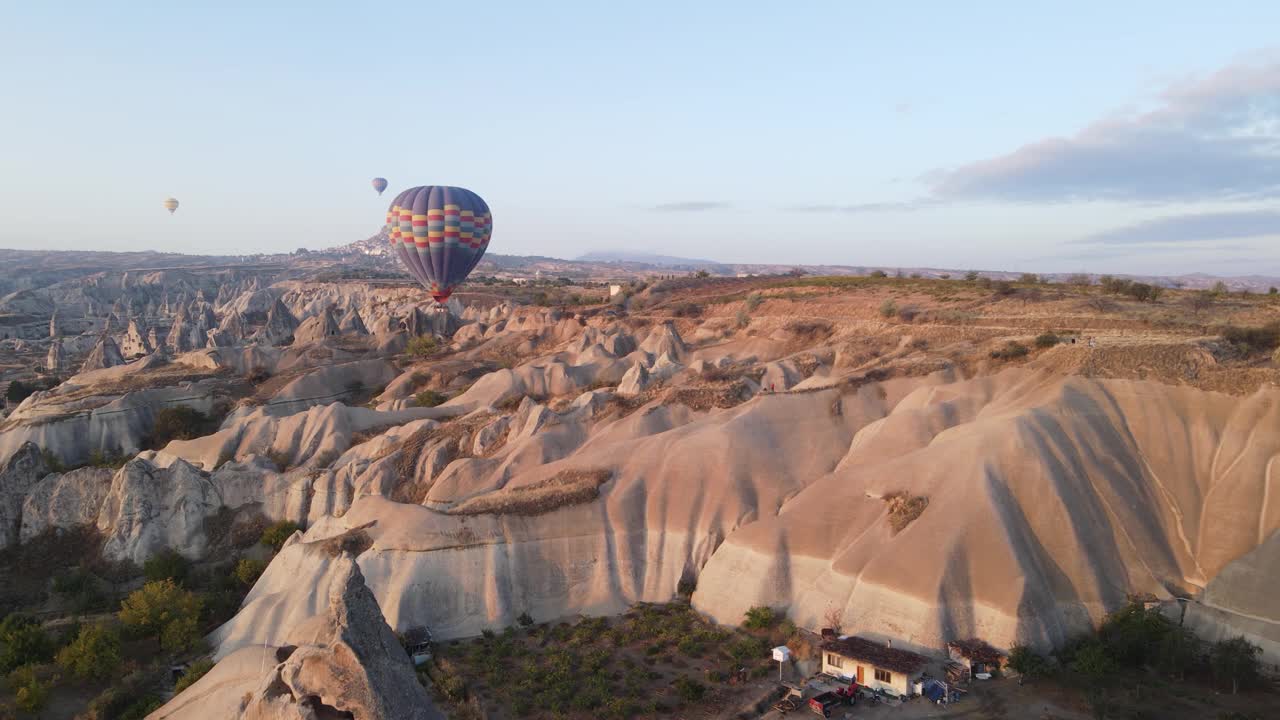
(1213, 138)
(1197, 227)
(691, 206)
(906, 206)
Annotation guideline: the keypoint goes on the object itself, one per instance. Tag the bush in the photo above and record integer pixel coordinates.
(888, 309)
(29, 694)
(755, 298)
(1029, 279)
(690, 690)
(248, 570)
(1011, 351)
(741, 319)
(971, 276)
(429, 398)
(1235, 660)
(1254, 339)
(167, 565)
(94, 654)
(142, 707)
(277, 533)
(908, 313)
(1004, 288)
(163, 610)
(1047, 340)
(1024, 661)
(760, 618)
(422, 346)
(878, 274)
(281, 459)
(25, 642)
(686, 310)
(180, 422)
(196, 671)
(525, 620)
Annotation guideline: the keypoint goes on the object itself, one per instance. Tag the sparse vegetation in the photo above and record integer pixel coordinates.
(167, 565)
(686, 310)
(1047, 340)
(422, 346)
(760, 618)
(1253, 339)
(877, 274)
(163, 610)
(248, 570)
(180, 422)
(277, 533)
(194, 672)
(1011, 350)
(904, 509)
(429, 398)
(94, 654)
(888, 309)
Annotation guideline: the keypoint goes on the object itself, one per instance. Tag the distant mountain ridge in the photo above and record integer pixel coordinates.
(624, 256)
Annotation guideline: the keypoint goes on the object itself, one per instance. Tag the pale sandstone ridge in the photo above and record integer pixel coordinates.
(1050, 499)
(342, 662)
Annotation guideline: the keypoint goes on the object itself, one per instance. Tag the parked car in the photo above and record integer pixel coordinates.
(826, 702)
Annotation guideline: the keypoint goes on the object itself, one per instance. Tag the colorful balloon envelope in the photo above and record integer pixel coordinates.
(379, 184)
(439, 233)
(170, 204)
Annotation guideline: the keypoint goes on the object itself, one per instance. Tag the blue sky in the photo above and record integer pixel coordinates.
(1109, 137)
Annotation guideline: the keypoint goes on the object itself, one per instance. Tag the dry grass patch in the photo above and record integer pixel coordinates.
(904, 509)
(354, 541)
(568, 487)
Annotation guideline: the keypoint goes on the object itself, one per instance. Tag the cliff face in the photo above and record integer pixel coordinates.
(1049, 500)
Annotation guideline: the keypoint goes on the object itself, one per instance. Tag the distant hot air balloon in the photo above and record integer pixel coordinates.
(440, 234)
(170, 204)
(379, 184)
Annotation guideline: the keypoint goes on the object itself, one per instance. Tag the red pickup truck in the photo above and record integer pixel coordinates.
(826, 702)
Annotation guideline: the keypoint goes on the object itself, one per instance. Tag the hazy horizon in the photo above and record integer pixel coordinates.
(1140, 139)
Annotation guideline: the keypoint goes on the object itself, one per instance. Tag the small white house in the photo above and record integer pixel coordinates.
(871, 664)
(614, 290)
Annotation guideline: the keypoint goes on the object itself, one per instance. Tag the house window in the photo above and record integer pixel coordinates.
(883, 676)
(835, 661)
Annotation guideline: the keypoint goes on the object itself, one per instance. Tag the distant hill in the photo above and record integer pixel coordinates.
(625, 256)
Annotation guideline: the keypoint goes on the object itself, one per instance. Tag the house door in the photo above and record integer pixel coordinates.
(860, 675)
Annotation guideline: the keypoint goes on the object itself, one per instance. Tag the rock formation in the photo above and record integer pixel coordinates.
(56, 361)
(105, 354)
(54, 330)
(64, 501)
(317, 328)
(345, 662)
(352, 324)
(135, 342)
(185, 334)
(149, 509)
(18, 475)
(280, 326)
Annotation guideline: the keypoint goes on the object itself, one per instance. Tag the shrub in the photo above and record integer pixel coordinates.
(1011, 351)
(888, 309)
(25, 642)
(878, 274)
(257, 375)
(760, 618)
(196, 671)
(94, 654)
(1254, 339)
(755, 298)
(280, 458)
(248, 570)
(525, 620)
(1237, 660)
(180, 422)
(1143, 292)
(904, 508)
(429, 398)
(686, 309)
(690, 690)
(971, 276)
(167, 565)
(686, 586)
(1047, 340)
(1004, 288)
(422, 346)
(277, 533)
(1029, 279)
(741, 319)
(908, 313)
(1024, 661)
(163, 610)
(29, 693)
(142, 707)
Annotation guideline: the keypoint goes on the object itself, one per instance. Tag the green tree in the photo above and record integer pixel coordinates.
(971, 276)
(29, 693)
(422, 346)
(878, 274)
(1235, 659)
(167, 565)
(277, 533)
(24, 641)
(1024, 661)
(760, 618)
(248, 570)
(196, 671)
(94, 654)
(163, 610)
(1219, 288)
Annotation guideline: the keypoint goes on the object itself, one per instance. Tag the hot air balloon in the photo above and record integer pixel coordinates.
(379, 184)
(439, 233)
(170, 204)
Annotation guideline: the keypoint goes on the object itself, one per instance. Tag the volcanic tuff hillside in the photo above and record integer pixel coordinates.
(869, 446)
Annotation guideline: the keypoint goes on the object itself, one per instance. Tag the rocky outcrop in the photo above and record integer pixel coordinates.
(317, 328)
(135, 342)
(64, 500)
(185, 334)
(634, 381)
(149, 509)
(344, 663)
(352, 324)
(56, 361)
(21, 473)
(105, 354)
(280, 326)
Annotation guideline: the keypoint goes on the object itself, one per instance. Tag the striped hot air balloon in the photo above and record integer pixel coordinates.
(379, 184)
(170, 204)
(439, 233)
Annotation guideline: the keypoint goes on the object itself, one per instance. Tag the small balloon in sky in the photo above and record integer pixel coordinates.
(170, 204)
(439, 233)
(379, 184)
